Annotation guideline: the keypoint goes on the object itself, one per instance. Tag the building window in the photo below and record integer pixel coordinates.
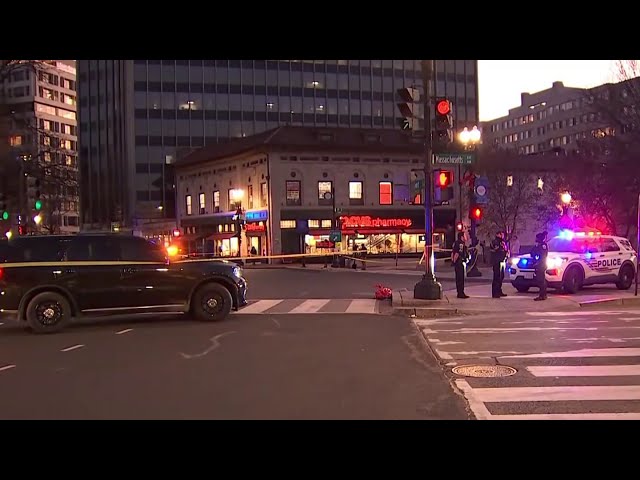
(263, 194)
(355, 193)
(216, 202)
(386, 193)
(188, 204)
(325, 190)
(326, 224)
(230, 200)
(250, 196)
(293, 193)
(15, 140)
(201, 203)
(314, 223)
(287, 223)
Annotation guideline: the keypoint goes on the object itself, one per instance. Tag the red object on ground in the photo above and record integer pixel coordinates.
(382, 292)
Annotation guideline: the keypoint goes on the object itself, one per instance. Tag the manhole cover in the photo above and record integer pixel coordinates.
(484, 371)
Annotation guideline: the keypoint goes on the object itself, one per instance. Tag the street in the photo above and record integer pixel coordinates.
(570, 365)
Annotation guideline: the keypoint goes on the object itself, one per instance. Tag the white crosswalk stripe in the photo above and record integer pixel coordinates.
(311, 306)
(558, 376)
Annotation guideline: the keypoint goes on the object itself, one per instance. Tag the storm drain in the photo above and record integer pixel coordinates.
(484, 371)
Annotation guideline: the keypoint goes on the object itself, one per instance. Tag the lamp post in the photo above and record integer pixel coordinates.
(428, 288)
(470, 140)
(237, 194)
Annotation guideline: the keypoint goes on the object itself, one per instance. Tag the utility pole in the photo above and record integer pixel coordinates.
(428, 288)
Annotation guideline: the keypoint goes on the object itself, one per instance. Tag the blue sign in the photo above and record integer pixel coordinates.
(335, 236)
(481, 190)
(257, 216)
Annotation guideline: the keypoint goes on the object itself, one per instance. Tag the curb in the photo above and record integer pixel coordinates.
(611, 301)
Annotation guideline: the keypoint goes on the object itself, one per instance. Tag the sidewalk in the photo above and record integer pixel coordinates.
(481, 301)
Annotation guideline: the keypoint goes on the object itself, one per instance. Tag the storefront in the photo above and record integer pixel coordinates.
(256, 222)
(400, 231)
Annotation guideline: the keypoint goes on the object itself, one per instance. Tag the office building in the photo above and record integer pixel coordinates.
(137, 118)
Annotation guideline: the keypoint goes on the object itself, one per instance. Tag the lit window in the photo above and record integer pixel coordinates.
(263, 194)
(326, 224)
(202, 202)
(324, 190)
(47, 156)
(314, 223)
(250, 196)
(287, 224)
(293, 192)
(15, 140)
(355, 190)
(216, 201)
(188, 202)
(386, 193)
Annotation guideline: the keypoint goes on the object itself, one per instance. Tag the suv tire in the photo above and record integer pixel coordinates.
(212, 302)
(625, 277)
(572, 281)
(48, 312)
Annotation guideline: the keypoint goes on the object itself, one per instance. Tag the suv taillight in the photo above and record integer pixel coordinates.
(1, 273)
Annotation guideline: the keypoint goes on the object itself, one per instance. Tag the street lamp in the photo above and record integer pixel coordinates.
(565, 198)
(237, 194)
(470, 140)
(37, 219)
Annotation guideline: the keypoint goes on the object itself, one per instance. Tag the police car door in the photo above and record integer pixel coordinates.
(613, 256)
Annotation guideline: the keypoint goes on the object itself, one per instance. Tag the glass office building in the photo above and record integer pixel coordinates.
(138, 117)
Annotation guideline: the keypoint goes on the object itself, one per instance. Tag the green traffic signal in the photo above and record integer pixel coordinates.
(5, 215)
(38, 204)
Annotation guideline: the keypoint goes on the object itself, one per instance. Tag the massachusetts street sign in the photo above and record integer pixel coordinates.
(454, 158)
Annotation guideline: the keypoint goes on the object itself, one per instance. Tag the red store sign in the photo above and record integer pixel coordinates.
(356, 221)
(255, 227)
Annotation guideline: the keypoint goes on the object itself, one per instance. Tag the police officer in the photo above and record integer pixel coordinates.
(498, 249)
(539, 254)
(459, 257)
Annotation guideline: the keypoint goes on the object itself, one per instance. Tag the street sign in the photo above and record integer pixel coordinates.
(454, 158)
(335, 236)
(481, 190)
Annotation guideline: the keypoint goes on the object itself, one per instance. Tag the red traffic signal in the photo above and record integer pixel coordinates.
(476, 213)
(459, 226)
(176, 232)
(443, 178)
(443, 107)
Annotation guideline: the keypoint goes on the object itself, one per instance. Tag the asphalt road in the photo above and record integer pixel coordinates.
(292, 366)
(570, 365)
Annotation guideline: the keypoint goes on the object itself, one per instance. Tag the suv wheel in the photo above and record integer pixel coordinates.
(48, 312)
(211, 302)
(522, 288)
(625, 277)
(572, 280)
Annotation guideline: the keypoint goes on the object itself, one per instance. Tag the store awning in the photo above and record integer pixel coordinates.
(221, 236)
(190, 237)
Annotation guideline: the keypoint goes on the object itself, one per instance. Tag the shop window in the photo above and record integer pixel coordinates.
(293, 193)
(287, 224)
(325, 190)
(314, 223)
(355, 193)
(326, 224)
(188, 204)
(216, 201)
(202, 203)
(386, 193)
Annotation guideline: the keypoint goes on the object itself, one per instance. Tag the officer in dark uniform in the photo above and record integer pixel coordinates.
(459, 257)
(539, 254)
(498, 249)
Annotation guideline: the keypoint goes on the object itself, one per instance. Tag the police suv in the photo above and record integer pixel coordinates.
(45, 281)
(576, 259)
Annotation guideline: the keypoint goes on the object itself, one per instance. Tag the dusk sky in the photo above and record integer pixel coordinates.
(502, 81)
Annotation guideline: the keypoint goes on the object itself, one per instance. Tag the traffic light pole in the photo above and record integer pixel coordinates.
(428, 288)
(473, 272)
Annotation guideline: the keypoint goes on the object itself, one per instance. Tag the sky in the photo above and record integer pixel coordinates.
(502, 81)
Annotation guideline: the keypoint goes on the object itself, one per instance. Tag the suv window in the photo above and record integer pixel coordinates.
(609, 245)
(93, 249)
(41, 249)
(136, 249)
(626, 244)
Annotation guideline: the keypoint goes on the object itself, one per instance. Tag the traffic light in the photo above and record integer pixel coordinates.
(443, 135)
(410, 107)
(442, 185)
(459, 226)
(21, 230)
(476, 213)
(4, 212)
(38, 201)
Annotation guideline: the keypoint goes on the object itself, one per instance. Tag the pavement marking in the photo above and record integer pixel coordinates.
(585, 371)
(443, 355)
(259, 306)
(215, 343)
(126, 330)
(585, 313)
(310, 306)
(74, 347)
(479, 409)
(7, 367)
(362, 306)
(569, 416)
(585, 353)
(557, 394)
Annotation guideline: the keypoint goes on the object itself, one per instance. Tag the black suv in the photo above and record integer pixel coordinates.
(47, 280)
